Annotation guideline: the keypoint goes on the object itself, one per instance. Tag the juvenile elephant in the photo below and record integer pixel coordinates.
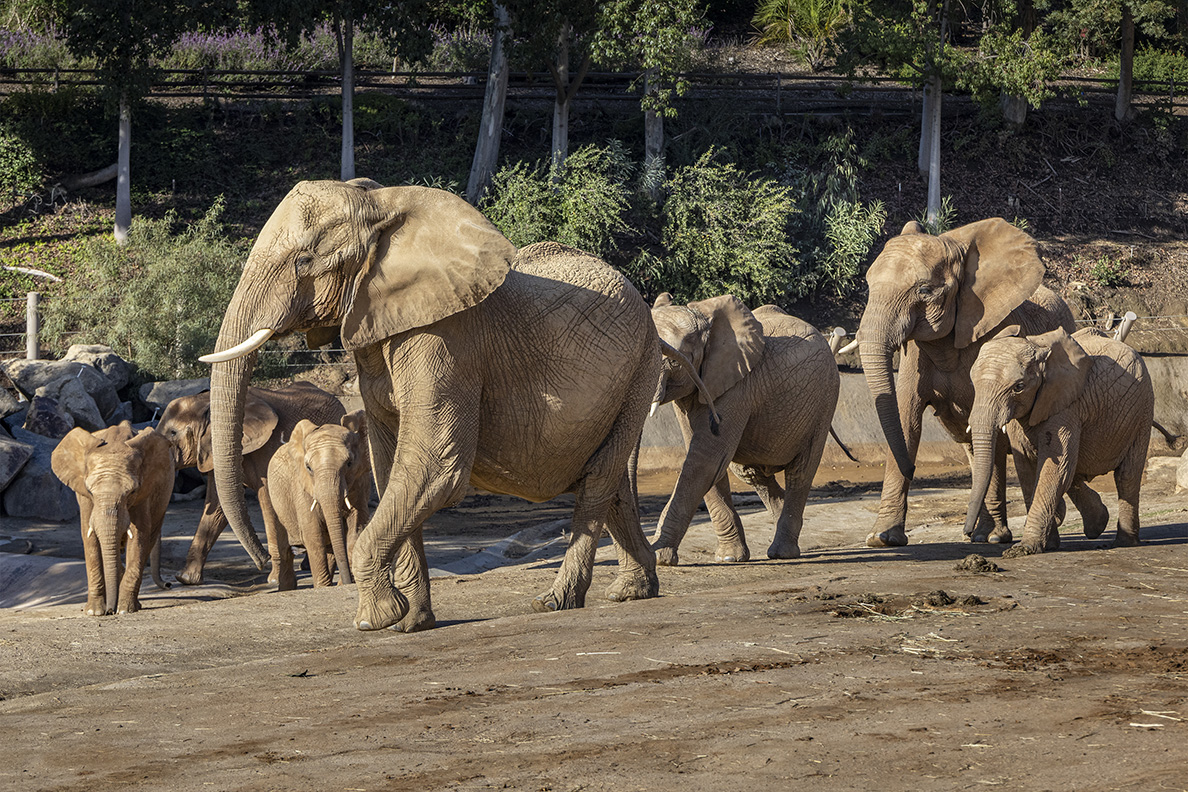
(526, 372)
(123, 481)
(774, 383)
(269, 417)
(1074, 407)
(940, 298)
(319, 483)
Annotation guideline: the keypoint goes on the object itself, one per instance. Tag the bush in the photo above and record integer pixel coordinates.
(465, 48)
(583, 205)
(158, 300)
(19, 171)
(728, 232)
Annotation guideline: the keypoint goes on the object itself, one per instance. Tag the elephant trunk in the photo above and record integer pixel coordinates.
(984, 431)
(329, 493)
(876, 364)
(109, 548)
(228, 390)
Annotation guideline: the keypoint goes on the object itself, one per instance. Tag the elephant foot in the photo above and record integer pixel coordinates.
(666, 556)
(1001, 535)
(892, 537)
(95, 607)
(380, 606)
(783, 550)
(129, 606)
(1124, 540)
(190, 576)
(551, 601)
(733, 553)
(1095, 515)
(632, 586)
(1024, 549)
(416, 620)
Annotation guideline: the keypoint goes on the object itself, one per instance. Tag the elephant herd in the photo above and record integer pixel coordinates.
(531, 371)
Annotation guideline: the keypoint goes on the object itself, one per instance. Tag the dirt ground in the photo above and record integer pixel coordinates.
(849, 668)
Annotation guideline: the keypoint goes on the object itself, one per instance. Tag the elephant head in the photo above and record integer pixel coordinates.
(112, 470)
(186, 425)
(1024, 379)
(354, 257)
(709, 346)
(960, 285)
(335, 463)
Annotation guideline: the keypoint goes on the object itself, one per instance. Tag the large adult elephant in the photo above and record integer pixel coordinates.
(940, 298)
(523, 372)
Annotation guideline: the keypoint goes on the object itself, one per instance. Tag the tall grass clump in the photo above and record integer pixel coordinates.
(584, 204)
(725, 231)
(158, 300)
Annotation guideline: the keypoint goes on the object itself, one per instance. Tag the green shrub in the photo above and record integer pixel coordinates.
(19, 171)
(851, 229)
(1106, 270)
(1158, 65)
(158, 300)
(728, 232)
(582, 205)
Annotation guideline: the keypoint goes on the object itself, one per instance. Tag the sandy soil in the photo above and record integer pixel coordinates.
(850, 668)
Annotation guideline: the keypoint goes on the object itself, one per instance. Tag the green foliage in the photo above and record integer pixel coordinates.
(944, 219)
(19, 171)
(1008, 62)
(1105, 270)
(1158, 66)
(807, 26)
(728, 232)
(66, 130)
(851, 229)
(583, 205)
(158, 300)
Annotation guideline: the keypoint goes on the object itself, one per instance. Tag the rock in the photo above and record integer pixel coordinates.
(35, 491)
(117, 370)
(1182, 473)
(157, 395)
(30, 375)
(17, 419)
(73, 400)
(46, 419)
(122, 413)
(8, 403)
(13, 456)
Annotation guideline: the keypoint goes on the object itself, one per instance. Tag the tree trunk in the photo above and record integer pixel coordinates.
(123, 212)
(561, 105)
(348, 98)
(486, 153)
(923, 156)
(934, 126)
(1126, 66)
(653, 141)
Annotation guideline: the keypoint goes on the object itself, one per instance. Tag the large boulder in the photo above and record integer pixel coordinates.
(73, 400)
(13, 456)
(30, 375)
(8, 403)
(117, 370)
(157, 395)
(35, 491)
(44, 417)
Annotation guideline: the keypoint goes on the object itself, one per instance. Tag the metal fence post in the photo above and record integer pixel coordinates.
(32, 325)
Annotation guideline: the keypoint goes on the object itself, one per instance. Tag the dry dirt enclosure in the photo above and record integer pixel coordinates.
(850, 668)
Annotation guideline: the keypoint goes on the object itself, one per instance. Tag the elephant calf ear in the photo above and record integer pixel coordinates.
(355, 422)
(69, 459)
(433, 256)
(1000, 271)
(734, 346)
(1065, 369)
(259, 422)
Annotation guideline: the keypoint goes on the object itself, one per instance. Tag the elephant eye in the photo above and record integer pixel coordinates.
(924, 290)
(1019, 387)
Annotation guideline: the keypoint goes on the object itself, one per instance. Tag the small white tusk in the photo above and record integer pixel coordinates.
(129, 533)
(652, 412)
(90, 530)
(348, 503)
(313, 505)
(1004, 431)
(850, 347)
(251, 345)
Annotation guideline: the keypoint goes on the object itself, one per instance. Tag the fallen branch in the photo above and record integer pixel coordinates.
(35, 272)
(92, 179)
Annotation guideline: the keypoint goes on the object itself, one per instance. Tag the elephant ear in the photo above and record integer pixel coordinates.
(300, 431)
(663, 300)
(259, 422)
(69, 459)
(1001, 269)
(733, 346)
(157, 464)
(356, 422)
(431, 256)
(1065, 369)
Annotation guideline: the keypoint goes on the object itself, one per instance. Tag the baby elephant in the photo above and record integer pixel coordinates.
(1074, 407)
(774, 385)
(319, 483)
(123, 482)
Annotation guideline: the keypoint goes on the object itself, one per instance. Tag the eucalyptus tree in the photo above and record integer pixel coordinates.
(404, 25)
(123, 37)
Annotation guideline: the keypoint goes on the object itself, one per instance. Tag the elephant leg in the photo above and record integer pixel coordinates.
(637, 563)
(732, 542)
(890, 528)
(1128, 478)
(272, 523)
(1095, 516)
(136, 554)
(210, 527)
(317, 551)
(706, 459)
(96, 590)
(1054, 476)
(410, 575)
(281, 553)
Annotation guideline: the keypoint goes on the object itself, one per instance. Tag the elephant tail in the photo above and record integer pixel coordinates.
(1173, 440)
(840, 444)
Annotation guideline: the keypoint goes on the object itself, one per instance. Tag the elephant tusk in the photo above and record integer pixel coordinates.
(256, 341)
(90, 530)
(652, 411)
(313, 505)
(348, 503)
(1004, 431)
(129, 533)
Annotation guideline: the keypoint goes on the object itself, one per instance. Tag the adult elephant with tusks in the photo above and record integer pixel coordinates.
(525, 372)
